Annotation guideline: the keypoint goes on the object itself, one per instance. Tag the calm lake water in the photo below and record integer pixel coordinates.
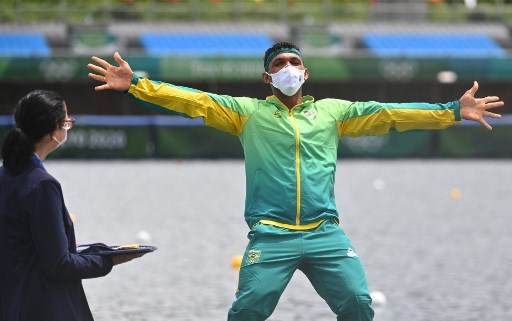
(434, 235)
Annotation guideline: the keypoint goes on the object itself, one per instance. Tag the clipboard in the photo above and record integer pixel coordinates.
(108, 250)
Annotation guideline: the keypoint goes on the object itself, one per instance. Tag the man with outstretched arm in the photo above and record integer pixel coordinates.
(290, 143)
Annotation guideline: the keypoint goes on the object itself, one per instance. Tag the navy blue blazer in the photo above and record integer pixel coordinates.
(40, 271)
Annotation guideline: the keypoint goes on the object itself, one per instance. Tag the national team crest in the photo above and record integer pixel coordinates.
(310, 114)
(253, 256)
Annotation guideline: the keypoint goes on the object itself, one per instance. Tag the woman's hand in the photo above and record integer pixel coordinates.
(123, 258)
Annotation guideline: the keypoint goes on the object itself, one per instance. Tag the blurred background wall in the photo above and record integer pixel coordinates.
(384, 50)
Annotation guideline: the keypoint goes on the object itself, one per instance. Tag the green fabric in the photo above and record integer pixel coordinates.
(272, 173)
(325, 255)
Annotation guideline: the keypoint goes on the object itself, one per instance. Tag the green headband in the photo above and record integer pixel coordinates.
(278, 52)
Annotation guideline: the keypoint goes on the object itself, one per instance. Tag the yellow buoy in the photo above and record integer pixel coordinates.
(236, 261)
(455, 193)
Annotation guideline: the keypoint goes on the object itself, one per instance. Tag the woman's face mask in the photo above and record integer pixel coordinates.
(61, 142)
(288, 80)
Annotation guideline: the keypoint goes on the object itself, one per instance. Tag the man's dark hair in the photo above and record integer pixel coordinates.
(276, 48)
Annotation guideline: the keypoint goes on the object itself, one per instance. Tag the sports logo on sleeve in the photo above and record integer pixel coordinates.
(351, 253)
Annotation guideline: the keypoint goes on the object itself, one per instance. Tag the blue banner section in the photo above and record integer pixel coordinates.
(123, 120)
(177, 121)
(169, 121)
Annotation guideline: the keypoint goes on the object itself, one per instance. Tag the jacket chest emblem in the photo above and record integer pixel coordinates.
(277, 114)
(310, 114)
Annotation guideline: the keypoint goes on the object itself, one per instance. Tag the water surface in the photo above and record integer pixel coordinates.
(434, 236)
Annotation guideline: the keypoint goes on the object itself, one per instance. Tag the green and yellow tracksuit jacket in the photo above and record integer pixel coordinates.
(290, 155)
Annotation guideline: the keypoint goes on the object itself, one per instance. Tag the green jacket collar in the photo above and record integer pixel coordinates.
(306, 101)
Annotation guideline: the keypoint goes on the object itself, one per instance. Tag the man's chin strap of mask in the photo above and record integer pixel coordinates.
(278, 52)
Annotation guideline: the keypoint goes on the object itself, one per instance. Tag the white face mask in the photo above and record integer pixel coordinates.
(288, 80)
(61, 142)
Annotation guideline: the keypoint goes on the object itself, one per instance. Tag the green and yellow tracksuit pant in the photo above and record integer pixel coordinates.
(324, 254)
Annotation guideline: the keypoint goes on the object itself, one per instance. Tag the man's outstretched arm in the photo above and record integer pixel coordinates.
(222, 112)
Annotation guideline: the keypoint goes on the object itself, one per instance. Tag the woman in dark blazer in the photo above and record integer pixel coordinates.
(40, 270)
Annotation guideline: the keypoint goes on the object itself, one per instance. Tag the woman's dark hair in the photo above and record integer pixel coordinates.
(37, 114)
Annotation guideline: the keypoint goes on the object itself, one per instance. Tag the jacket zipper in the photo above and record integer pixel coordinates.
(297, 164)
